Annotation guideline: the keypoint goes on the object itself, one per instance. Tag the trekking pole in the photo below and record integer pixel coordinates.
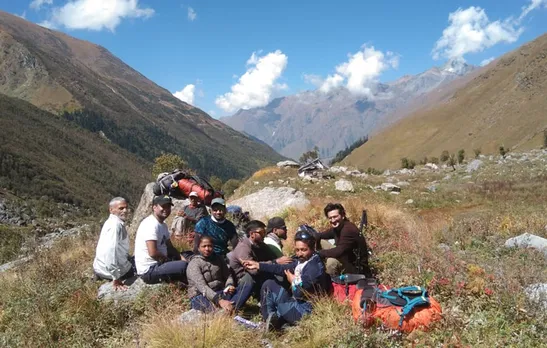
(362, 226)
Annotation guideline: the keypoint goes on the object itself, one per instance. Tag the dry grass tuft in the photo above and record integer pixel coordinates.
(212, 331)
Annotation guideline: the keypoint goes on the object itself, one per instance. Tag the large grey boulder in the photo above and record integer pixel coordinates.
(527, 240)
(389, 187)
(537, 293)
(474, 165)
(143, 209)
(344, 185)
(288, 164)
(135, 286)
(271, 201)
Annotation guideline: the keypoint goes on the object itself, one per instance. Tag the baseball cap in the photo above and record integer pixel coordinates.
(161, 200)
(218, 201)
(275, 222)
(193, 194)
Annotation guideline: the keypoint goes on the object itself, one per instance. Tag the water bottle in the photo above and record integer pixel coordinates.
(247, 323)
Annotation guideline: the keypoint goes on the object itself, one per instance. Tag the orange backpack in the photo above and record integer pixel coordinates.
(370, 309)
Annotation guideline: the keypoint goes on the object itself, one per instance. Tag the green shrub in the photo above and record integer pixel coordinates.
(445, 156)
(167, 162)
(461, 156)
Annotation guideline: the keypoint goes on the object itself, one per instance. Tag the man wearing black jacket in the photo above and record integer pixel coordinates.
(342, 258)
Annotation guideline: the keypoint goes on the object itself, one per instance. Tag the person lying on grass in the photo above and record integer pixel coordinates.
(210, 281)
(306, 275)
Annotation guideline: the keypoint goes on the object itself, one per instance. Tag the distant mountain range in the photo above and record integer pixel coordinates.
(334, 120)
(85, 86)
(504, 104)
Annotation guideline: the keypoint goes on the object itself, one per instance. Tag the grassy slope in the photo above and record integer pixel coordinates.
(477, 281)
(45, 155)
(504, 105)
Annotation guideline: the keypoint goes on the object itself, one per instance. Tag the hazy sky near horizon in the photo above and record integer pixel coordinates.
(222, 56)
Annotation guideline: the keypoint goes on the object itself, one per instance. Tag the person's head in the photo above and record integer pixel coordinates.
(255, 230)
(161, 207)
(205, 247)
(277, 226)
(118, 207)
(336, 214)
(194, 198)
(218, 208)
(304, 245)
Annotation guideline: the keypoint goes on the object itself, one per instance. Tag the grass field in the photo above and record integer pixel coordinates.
(450, 241)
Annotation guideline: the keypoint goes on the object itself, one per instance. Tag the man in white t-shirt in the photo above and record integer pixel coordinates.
(112, 260)
(155, 257)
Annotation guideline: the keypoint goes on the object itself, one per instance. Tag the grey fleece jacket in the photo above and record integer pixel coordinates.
(207, 276)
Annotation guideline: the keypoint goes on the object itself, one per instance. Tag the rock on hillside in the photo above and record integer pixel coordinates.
(271, 201)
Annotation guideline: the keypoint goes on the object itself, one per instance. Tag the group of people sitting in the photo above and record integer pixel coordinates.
(225, 269)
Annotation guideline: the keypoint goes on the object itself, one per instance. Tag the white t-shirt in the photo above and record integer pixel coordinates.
(149, 229)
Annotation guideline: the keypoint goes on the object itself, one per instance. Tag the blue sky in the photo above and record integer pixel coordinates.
(221, 56)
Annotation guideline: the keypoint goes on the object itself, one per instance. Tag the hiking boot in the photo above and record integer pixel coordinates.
(273, 322)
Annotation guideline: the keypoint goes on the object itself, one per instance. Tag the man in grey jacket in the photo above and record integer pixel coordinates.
(252, 247)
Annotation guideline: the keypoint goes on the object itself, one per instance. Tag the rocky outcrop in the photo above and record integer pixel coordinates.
(135, 286)
(271, 201)
(288, 164)
(474, 166)
(344, 185)
(527, 240)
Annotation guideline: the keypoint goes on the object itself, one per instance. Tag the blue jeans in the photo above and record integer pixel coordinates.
(166, 272)
(276, 300)
(239, 297)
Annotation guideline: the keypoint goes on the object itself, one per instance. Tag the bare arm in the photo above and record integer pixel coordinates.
(153, 251)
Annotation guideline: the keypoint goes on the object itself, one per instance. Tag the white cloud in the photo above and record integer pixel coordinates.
(213, 113)
(37, 4)
(47, 24)
(534, 4)
(256, 87)
(96, 14)
(187, 94)
(331, 82)
(471, 31)
(487, 61)
(361, 71)
(192, 15)
(22, 15)
(313, 79)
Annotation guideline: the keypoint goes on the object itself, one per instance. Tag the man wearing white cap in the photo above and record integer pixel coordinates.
(187, 218)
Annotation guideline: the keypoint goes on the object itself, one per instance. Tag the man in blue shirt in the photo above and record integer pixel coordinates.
(217, 227)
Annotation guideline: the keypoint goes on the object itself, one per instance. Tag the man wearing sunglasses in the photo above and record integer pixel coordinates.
(276, 233)
(252, 247)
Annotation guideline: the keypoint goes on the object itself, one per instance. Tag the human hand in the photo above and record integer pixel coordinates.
(118, 285)
(230, 289)
(283, 260)
(289, 275)
(250, 265)
(228, 306)
(181, 213)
